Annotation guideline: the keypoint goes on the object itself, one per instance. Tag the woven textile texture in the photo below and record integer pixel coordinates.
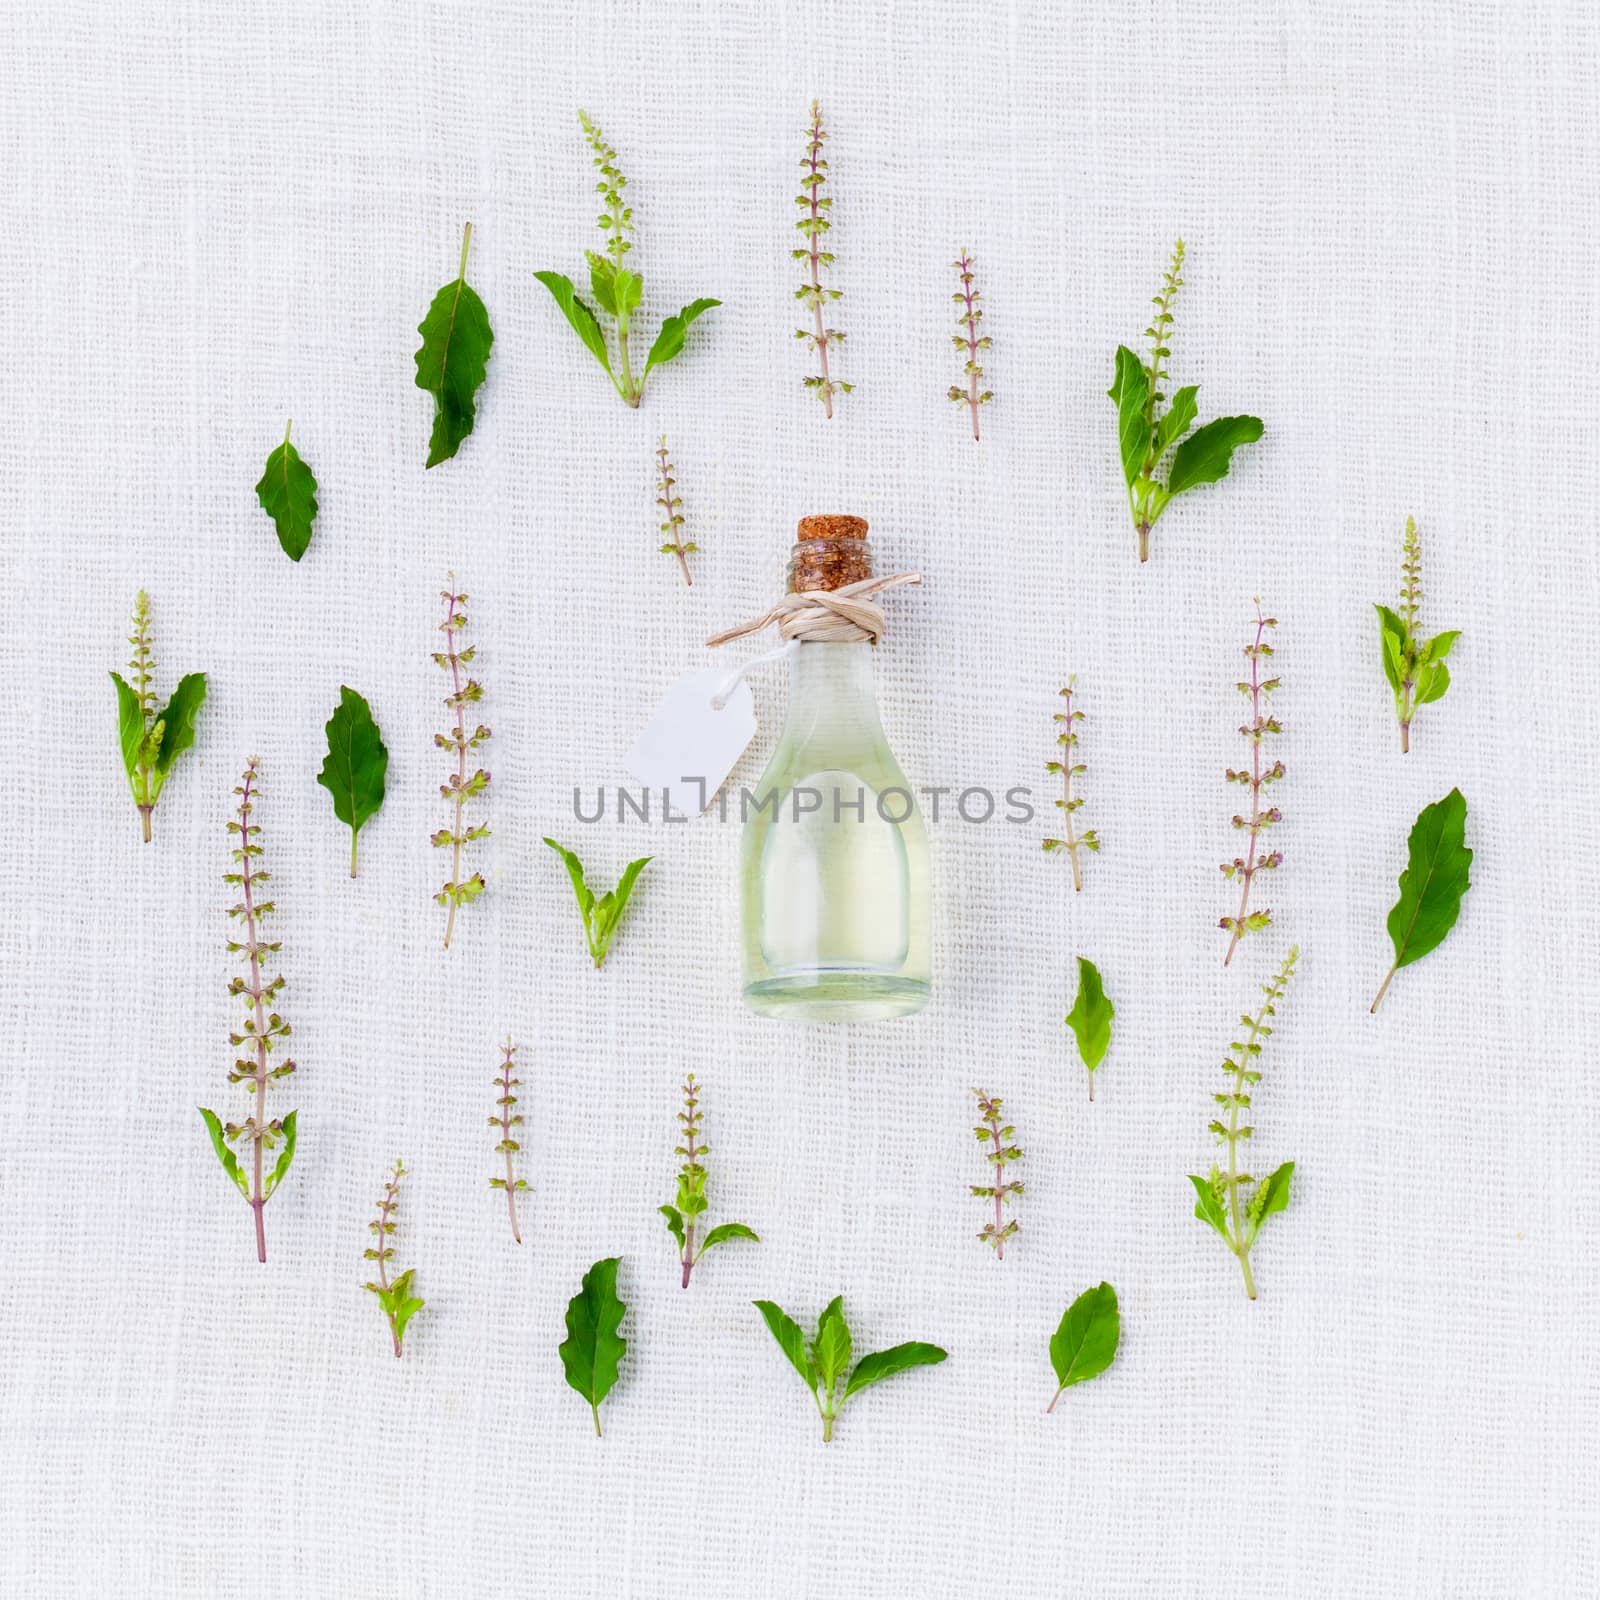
(219, 216)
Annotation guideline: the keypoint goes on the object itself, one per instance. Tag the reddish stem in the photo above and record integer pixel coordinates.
(971, 326)
(505, 1134)
(385, 1206)
(258, 1199)
(461, 759)
(814, 160)
(1255, 784)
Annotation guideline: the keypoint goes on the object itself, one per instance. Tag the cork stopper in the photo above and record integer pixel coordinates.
(832, 551)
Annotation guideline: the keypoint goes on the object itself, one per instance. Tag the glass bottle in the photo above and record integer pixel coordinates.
(837, 904)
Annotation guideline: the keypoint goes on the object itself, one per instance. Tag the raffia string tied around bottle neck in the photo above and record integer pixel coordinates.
(831, 584)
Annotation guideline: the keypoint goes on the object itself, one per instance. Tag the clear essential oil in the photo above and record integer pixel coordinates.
(837, 901)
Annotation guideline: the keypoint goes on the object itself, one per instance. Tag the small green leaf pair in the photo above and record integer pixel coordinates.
(1146, 434)
(600, 917)
(1090, 1018)
(152, 739)
(616, 289)
(593, 1348)
(1414, 666)
(1431, 887)
(1085, 1343)
(353, 769)
(288, 494)
(829, 1358)
(454, 359)
(230, 1162)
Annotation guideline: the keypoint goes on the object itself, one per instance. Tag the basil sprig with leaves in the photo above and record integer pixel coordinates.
(454, 359)
(616, 288)
(1414, 665)
(600, 915)
(152, 738)
(828, 1360)
(1146, 434)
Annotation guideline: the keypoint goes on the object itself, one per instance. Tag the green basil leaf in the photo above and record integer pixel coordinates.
(130, 730)
(791, 1341)
(675, 1224)
(354, 767)
(669, 341)
(1432, 681)
(288, 494)
(593, 1349)
(1180, 415)
(887, 1363)
(581, 318)
(453, 360)
(177, 721)
(1090, 1016)
(1205, 455)
(831, 1352)
(285, 1156)
(1440, 645)
(1085, 1343)
(1209, 1209)
(1272, 1195)
(602, 281)
(219, 1143)
(1434, 880)
(728, 1230)
(1394, 637)
(1130, 389)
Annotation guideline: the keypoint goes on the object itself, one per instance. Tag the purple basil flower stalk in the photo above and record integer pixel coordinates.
(1257, 778)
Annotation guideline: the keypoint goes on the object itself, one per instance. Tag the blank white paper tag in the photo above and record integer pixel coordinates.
(689, 742)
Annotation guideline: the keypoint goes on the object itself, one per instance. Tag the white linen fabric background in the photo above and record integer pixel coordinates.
(218, 217)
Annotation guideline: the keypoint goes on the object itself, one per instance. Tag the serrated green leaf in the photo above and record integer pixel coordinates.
(725, 1231)
(1130, 390)
(883, 1364)
(219, 1143)
(130, 730)
(288, 494)
(670, 340)
(354, 767)
(1431, 887)
(579, 316)
(1090, 1016)
(593, 1348)
(831, 1352)
(1085, 1343)
(675, 1225)
(1180, 415)
(177, 725)
(285, 1156)
(453, 360)
(1272, 1195)
(1209, 1209)
(1206, 454)
(791, 1341)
